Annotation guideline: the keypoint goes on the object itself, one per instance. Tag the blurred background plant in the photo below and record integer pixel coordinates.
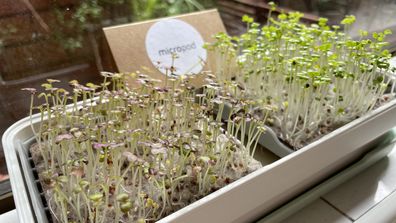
(146, 9)
(88, 15)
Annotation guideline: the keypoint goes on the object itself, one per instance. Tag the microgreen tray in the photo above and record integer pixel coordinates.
(247, 198)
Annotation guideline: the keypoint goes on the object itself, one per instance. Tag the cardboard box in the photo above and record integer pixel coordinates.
(128, 42)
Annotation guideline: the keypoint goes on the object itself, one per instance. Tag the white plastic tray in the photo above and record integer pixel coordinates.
(252, 196)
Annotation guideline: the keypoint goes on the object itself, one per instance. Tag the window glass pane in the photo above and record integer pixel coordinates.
(63, 39)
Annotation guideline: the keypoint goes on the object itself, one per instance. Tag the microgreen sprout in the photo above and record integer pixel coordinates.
(315, 77)
(137, 155)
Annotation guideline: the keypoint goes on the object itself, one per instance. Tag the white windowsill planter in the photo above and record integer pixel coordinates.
(247, 198)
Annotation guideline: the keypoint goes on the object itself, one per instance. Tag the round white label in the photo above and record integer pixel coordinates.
(175, 47)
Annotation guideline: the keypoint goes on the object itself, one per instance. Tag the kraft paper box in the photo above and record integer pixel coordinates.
(170, 45)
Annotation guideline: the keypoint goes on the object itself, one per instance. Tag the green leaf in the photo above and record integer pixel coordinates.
(46, 86)
(363, 33)
(387, 31)
(282, 16)
(325, 47)
(378, 80)
(375, 35)
(204, 159)
(348, 20)
(273, 5)
(63, 179)
(126, 206)
(247, 19)
(323, 21)
(96, 197)
(123, 197)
